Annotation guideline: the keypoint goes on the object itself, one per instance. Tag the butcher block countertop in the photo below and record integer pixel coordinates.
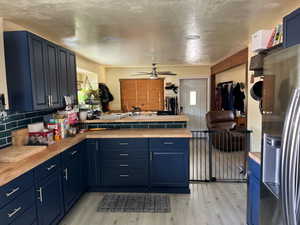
(256, 156)
(142, 118)
(10, 171)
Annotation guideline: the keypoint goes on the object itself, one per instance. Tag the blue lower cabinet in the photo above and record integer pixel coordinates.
(92, 163)
(49, 200)
(28, 218)
(16, 208)
(72, 181)
(169, 162)
(169, 169)
(253, 195)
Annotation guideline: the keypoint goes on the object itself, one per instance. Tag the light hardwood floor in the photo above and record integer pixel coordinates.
(208, 204)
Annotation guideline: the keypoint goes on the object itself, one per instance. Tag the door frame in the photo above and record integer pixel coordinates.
(208, 83)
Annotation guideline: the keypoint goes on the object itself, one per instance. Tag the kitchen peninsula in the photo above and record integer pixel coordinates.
(140, 121)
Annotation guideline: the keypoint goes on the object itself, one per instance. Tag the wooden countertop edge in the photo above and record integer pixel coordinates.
(256, 156)
(10, 171)
(179, 118)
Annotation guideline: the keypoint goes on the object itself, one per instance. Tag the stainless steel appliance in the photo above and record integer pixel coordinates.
(280, 188)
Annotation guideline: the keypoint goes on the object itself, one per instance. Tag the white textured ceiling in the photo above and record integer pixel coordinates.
(138, 32)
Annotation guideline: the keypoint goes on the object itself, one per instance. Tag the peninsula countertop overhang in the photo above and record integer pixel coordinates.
(142, 118)
(10, 171)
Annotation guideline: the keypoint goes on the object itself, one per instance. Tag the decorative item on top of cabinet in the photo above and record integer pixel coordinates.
(34, 72)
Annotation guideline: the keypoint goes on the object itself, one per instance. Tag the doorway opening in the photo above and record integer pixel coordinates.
(193, 99)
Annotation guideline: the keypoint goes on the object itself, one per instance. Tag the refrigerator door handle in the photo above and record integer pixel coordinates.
(289, 166)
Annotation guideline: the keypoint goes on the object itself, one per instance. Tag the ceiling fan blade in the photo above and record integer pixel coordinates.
(141, 73)
(167, 73)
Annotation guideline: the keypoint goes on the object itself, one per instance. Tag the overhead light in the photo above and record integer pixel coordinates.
(192, 37)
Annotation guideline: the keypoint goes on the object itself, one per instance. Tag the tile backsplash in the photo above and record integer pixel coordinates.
(16, 121)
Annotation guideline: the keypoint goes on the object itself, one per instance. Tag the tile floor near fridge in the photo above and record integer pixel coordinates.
(208, 204)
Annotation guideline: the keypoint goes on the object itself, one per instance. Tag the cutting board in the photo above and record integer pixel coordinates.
(19, 153)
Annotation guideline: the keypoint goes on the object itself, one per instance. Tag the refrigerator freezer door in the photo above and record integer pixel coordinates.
(289, 178)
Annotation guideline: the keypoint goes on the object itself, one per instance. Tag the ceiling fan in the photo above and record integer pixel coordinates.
(155, 73)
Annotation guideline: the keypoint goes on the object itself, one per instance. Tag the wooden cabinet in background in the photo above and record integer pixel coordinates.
(144, 93)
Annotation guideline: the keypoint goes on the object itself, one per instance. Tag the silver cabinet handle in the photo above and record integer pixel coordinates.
(168, 143)
(51, 167)
(40, 197)
(123, 143)
(66, 173)
(12, 192)
(14, 212)
(74, 152)
(124, 175)
(124, 154)
(151, 156)
(124, 165)
(49, 100)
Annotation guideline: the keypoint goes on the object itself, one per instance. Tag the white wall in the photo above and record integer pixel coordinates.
(114, 74)
(3, 84)
(237, 74)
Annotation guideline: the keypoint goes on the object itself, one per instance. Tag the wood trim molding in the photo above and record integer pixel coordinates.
(235, 60)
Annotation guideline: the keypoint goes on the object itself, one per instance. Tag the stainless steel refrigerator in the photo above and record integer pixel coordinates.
(280, 186)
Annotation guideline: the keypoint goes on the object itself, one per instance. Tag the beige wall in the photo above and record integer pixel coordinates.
(114, 74)
(237, 74)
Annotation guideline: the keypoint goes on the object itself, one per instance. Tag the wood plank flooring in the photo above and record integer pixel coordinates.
(208, 204)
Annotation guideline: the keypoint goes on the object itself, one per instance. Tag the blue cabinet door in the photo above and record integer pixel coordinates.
(169, 162)
(254, 185)
(63, 72)
(169, 169)
(93, 164)
(72, 179)
(38, 72)
(72, 76)
(52, 75)
(50, 200)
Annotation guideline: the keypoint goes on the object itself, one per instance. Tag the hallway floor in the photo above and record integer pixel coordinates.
(208, 204)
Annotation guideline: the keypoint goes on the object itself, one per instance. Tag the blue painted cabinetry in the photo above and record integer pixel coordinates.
(169, 162)
(44, 195)
(93, 164)
(49, 199)
(73, 185)
(291, 29)
(253, 196)
(125, 162)
(37, 75)
(17, 201)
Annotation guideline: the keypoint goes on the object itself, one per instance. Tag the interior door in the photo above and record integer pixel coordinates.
(193, 102)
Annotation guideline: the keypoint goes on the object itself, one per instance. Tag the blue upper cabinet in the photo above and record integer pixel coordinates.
(291, 29)
(38, 76)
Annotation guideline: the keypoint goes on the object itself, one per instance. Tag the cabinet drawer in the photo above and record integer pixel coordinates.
(71, 154)
(124, 144)
(124, 154)
(47, 168)
(17, 207)
(254, 169)
(126, 164)
(124, 177)
(16, 187)
(28, 218)
(169, 144)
